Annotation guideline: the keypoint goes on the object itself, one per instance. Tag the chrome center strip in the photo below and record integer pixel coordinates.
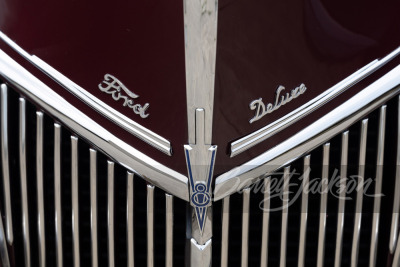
(273, 128)
(200, 55)
(129, 125)
(200, 20)
(310, 137)
(151, 170)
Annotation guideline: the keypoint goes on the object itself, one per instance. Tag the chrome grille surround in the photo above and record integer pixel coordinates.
(337, 122)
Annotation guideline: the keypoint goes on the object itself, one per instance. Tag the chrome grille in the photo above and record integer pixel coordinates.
(66, 204)
(348, 228)
(71, 206)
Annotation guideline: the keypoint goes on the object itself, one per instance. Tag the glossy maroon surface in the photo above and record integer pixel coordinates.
(139, 42)
(261, 45)
(265, 44)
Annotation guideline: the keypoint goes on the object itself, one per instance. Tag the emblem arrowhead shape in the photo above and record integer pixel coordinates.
(200, 160)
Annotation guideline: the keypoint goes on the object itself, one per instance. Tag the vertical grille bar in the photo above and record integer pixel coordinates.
(24, 186)
(57, 192)
(396, 202)
(359, 200)
(285, 210)
(5, 261)
(265, 223)
(5, 164)
(324, 203)
(304, 211)
(93, 205)
(150, 225)
(225, 231)
(169, 226)
(342, 195)
(396, 258)
(245, 226)
(378, 187)
(129, 219)
(110, 177)
(75, 200)
(39, 188)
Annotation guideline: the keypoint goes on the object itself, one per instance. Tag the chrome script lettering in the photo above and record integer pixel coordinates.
(280, 100)
(112, 86)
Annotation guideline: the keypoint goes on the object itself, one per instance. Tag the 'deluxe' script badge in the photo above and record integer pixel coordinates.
(112, 86)
(280, 100)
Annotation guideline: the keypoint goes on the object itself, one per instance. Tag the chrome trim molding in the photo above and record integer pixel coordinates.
(200, 21)
(200, 255)
(200, 18)
(310, 137)
(151, 170)
(113, 115)
(273, 128)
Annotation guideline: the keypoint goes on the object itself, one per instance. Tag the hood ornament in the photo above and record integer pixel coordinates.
(200, 160)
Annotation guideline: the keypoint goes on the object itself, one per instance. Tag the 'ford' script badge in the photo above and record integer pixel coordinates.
(113, 86)
(280, 100)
